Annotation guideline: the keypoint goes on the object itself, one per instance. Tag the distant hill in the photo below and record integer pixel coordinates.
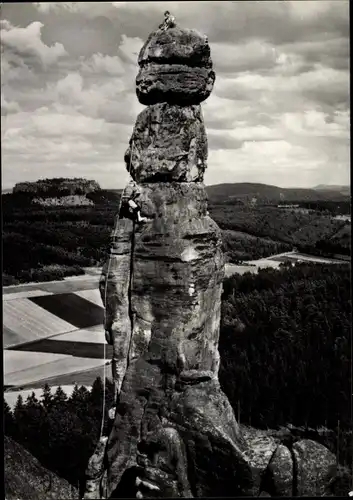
(245, 192)
(25, 477)
(345, 190)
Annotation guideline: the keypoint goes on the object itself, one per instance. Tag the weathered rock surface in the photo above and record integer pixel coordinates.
(314, 467)
(176, 46)
(217, 465)
(168, 144)
(173, 83)
(114, 289)
(26, 478)
(280, 473)
(260, 447)
(178, 270)
(175, 67)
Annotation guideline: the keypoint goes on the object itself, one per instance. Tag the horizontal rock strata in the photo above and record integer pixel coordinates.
(175, 67)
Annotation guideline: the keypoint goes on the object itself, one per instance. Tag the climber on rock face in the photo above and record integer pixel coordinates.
(130, 208)
(135, 210)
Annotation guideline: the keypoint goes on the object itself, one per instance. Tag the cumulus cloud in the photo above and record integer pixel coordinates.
(249, 55)
(27, 43)
(99, 63)
(130, 48)
(8, 107)
(46, 7)
(279, 112)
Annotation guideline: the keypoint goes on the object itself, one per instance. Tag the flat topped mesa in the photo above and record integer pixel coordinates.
(175, 66)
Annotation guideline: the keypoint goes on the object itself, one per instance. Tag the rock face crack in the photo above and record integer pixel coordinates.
(131, 313)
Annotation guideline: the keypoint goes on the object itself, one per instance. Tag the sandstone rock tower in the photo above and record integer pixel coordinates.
(174, 432)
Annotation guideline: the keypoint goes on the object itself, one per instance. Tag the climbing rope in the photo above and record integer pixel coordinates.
(105, 309)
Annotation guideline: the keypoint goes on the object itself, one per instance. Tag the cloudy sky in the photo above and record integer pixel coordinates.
(279, 112)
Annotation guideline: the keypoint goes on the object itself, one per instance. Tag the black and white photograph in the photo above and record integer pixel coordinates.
(176, 249)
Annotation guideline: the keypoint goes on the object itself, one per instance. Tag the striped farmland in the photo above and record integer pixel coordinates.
(29, 322)
(53, 330)
(64, 364)
(71, 308)
(93, 296)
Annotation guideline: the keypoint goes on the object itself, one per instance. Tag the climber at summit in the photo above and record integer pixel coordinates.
(169, 21)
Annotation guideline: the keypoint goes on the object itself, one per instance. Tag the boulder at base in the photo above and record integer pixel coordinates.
(315, 466)
(280, 473)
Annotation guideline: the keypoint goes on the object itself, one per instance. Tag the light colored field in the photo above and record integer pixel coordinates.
(239, 269)
(263, 263)
(31, 321)
(254, 265)
(95, 335)
(253, 268)
(71, 285)
(11, 396)
(312, 258)
(64, 365)
(24, 294)
(86, 378)
(15, 361)
(91, 295)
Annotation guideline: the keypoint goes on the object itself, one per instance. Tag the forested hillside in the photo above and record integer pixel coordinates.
(61, 432)
(285, 346)
(65, 239)
(264, 193)
(311, 231)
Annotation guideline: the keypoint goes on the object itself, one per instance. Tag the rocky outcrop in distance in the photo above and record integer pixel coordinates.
(46, 188)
